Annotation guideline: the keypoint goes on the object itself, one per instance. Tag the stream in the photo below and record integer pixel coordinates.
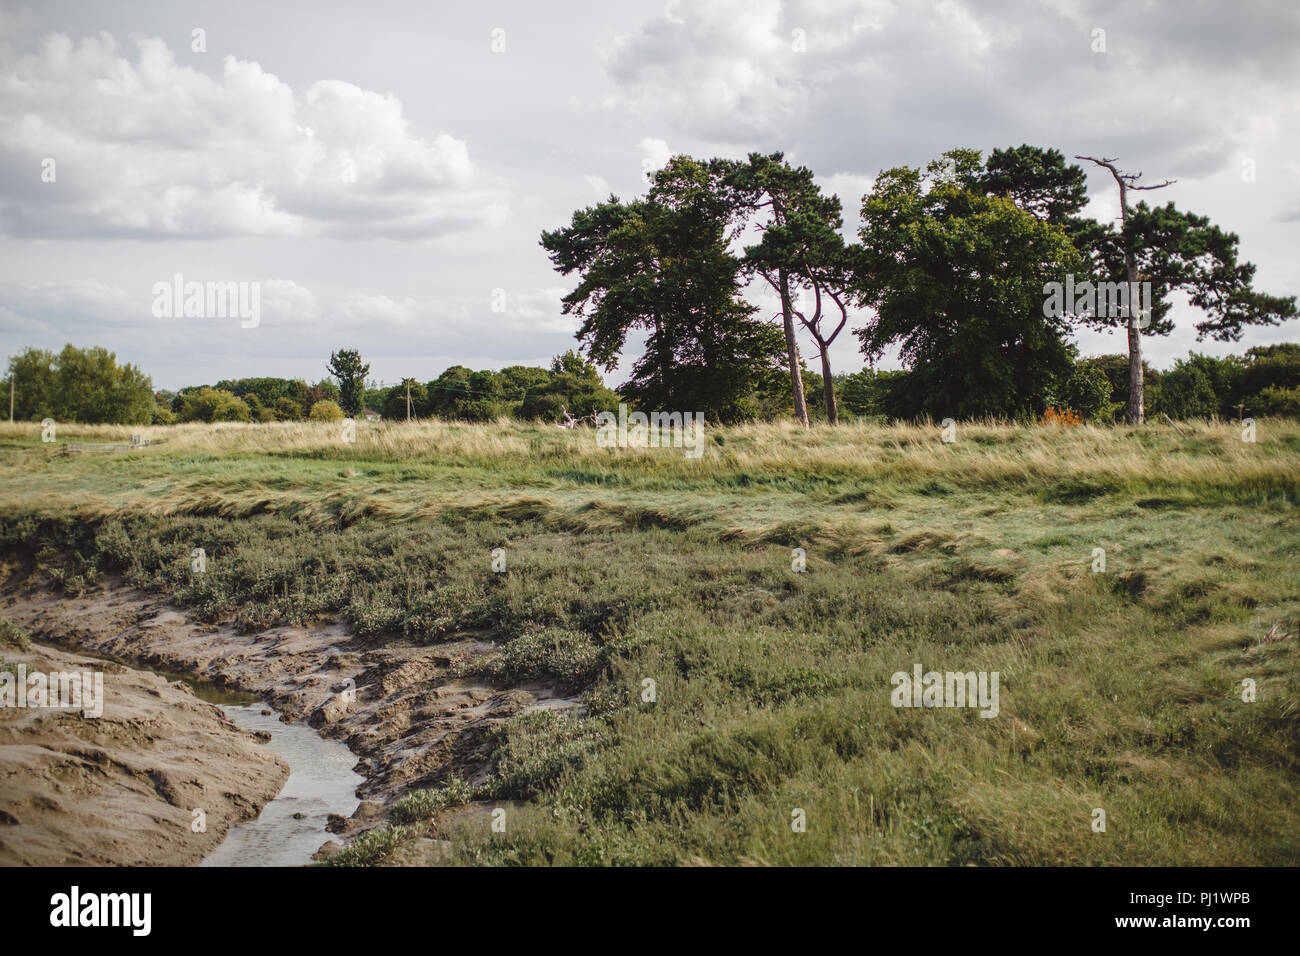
(292, 826)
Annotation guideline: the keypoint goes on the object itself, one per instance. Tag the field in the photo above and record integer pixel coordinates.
(1120, 689)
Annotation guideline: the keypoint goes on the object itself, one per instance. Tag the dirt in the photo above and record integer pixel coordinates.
(121, 788)
(399, 707)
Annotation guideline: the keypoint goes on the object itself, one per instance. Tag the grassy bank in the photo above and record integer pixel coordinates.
(1120, 690)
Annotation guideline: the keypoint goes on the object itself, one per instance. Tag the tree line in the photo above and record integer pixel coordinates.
(1263, 382)
(88, 386)
(950, 268)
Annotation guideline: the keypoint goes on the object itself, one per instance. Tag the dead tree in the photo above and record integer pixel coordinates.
(1126, 181)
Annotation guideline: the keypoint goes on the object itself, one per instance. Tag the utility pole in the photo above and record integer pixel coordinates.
(11, 396)
(408, 399)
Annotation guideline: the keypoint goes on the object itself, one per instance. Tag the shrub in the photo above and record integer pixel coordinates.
(287, 410)
(1186, 391)
(326, 411)
(373, 848)
(1087, 391)
(426, 804)
(13, 635)
(1064, 416)
(212, 405)
(1276, 400)
(555, 652)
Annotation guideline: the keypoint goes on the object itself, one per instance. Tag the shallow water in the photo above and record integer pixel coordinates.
(321, 782)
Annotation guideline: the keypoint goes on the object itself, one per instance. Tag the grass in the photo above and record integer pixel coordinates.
(639, 569)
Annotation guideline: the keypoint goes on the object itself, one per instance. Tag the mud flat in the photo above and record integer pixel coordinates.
(121, 788)
(402, 709)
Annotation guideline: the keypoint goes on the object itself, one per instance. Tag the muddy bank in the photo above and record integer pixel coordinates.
(400, 708)
(121, 788)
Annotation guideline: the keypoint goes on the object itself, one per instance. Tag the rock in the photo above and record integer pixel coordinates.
(327, 850)
(327, 713)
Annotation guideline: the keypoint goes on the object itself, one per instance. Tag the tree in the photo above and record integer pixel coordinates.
(517, 380)
(956, 278)
(800, 251)
(346, 366)
(321, 391)
(267, 389)
(79, 385)
(32, 373)
(800, 239)
(1087, 391)
(662, 265)
(393, 406)
(1270, 366)
(1187, 392)
(875, 393)
(1175, 250)
(572, 389)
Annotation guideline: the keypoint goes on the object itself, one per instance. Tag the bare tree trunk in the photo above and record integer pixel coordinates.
(1136, 403)
(1136, 392)
(828, 386)
(792, 350)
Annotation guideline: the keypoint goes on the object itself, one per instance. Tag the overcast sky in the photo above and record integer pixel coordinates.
(384, 169)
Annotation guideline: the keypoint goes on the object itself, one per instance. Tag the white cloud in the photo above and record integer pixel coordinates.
(654, 155)
(725, 67)
(152, 148)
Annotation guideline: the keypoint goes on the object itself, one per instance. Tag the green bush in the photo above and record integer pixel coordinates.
(288, 410)
(1186, 391)
(212, 405)
(425, 804)
(1276, 400)
(373, 848)
(13, 635)
(326, 411)
(1087, 391)
(555, 652)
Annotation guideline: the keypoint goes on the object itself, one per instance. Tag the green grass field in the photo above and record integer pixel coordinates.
(1120, 690)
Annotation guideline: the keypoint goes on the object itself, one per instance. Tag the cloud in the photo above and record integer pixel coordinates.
(654, 155)
(860, 86)
(153, 149)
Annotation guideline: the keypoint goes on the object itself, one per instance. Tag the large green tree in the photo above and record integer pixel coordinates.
(80, 385)
(955, 273)
(661, 266)
(346, 366)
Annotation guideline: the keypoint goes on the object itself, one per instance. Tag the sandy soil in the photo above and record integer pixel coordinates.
(121, 788)
(398, 707)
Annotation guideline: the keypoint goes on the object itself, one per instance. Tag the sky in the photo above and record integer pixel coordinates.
(381, 172)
